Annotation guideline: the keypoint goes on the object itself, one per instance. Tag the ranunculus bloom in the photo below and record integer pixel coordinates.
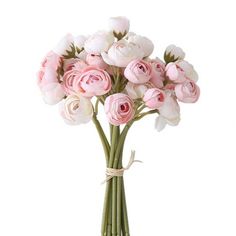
(158, 72)
(138, 71)
(64, 44)
(119, 26)
(173, 53)
(136, 91)
(169, 113)
(145, 44)
(98, 42)
(92, 82)
(122, 53)
(48, 71)
(96, 60)
(76, 110)
(48, 79)
(71, 75)
(187, 92)
(179, 71)
(154, 98)
(52, 93)
(119, 108)
(175, 73)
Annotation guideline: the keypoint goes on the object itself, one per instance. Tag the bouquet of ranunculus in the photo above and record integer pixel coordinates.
(113, 68)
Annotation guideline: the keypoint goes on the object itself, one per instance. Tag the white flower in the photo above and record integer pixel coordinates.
(79, 41)
(52, 93)
(169, 113)
(119, 26)
(76, 110)
(145, 44)
(188, 70)
(122, 53)
(136, 91)
(99, 42)
(64, 44)
(173, 53)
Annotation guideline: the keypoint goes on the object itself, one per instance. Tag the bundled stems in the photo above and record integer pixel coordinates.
(115, 217)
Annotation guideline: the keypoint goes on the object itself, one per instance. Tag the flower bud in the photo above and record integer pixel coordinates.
(173, 53)
(119, 26)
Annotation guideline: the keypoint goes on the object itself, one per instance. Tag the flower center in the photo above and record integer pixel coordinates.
(124, 107)
(160, 97)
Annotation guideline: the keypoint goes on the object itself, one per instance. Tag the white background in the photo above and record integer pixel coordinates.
(50, 173)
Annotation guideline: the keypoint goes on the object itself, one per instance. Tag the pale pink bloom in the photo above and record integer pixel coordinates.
(122, 53)
(175, 73)
(136, 91)
(119, 108)
(73, 74)
(76, 110)
(99, 42)
(158, 72)
(92, 82)
(96, 60)
(138, 71)
(187, 92)
(145, 44)
(179, 71)
(174, 53)
(48, 71)
(119, 25)
(52, 93)
(169, 113)
(154, 98)
(64, 45)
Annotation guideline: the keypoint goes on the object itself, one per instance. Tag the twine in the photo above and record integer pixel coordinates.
(111, 172)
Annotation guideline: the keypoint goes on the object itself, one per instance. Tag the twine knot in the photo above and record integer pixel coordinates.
(111, 172)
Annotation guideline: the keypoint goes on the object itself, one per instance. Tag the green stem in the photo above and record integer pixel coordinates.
(119, 198)
(109, 218)
(141, 115)
(103, 137)
(124, 209)
(115, 137)
(105, 209)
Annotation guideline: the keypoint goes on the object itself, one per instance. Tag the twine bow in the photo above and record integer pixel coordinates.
(111, 172)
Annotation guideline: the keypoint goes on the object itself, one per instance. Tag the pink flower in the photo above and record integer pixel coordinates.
(96, 60)
(154, 98)
(119, 108)
(92, 82)
(73, 74)
(187, 92)
(158, 72)
(138, 72)
(48, 71)
(179, 71)
(49, 79)
(175, 73)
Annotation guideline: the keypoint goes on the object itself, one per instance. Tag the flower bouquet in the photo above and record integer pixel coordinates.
(114, 69)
